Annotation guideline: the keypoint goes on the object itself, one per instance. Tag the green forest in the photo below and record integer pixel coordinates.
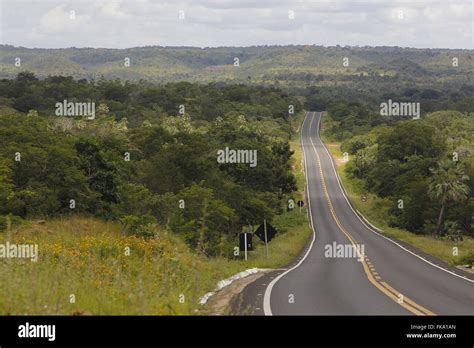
(424, 167)
(153, 146)
(293, 66)
(149, 153)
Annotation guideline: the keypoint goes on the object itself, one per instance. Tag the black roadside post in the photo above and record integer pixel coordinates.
(300, 204)
(266, 239)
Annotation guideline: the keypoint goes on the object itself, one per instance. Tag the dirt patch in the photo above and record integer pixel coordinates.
(219, 303)
(337, 160)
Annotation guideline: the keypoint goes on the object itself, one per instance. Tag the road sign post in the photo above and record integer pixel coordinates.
(266, 239)
(266, 232)
(301, 205)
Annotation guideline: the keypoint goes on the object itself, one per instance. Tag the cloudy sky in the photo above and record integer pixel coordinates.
(132, 23)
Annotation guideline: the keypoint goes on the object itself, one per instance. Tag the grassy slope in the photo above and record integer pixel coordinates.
(86, 257)
(376, 211)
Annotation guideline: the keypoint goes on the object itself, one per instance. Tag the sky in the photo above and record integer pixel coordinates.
(212, 23)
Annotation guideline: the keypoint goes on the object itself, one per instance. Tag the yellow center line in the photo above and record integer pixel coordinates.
(395, 295)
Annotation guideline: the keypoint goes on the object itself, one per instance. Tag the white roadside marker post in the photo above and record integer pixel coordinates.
(245, 240)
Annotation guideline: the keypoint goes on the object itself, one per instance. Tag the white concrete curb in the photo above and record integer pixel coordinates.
(226, 282)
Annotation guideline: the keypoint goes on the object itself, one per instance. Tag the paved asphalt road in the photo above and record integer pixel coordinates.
(392, 279)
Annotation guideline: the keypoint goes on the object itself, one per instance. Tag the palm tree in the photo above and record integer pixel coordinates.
(447, 186)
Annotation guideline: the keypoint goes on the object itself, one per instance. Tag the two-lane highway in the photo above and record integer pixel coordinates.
(382, 278)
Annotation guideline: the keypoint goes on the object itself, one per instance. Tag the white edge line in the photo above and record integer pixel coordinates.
(268, 291)
(368, 225)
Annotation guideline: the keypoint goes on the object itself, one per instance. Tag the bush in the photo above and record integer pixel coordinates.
(452, 231)
(358, 142)
(14, 221)
(139, 225)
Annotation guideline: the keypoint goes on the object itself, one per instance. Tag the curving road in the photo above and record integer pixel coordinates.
(389, 278)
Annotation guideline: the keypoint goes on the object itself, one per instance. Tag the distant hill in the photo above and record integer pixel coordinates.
(314, 64)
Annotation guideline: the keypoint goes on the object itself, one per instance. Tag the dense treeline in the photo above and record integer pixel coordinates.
(140, 160)
(144, 101)
(358, 111)
(265, 64)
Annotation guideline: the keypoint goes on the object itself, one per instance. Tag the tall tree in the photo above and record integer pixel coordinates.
(447, 186)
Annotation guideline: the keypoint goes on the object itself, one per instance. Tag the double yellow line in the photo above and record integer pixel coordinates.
(369, 269)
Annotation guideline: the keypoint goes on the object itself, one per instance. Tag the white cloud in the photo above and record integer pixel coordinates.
(60, 20)
(112, 9)
(119, 23)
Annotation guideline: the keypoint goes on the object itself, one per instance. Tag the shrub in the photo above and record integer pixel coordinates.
(14, 221)
(139, 225)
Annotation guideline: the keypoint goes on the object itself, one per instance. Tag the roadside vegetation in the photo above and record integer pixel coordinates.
(414, 179)
(157, 167)
(90, 266)
(155, 219)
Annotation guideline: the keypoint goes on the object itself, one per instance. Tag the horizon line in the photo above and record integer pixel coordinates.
(250, 46)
